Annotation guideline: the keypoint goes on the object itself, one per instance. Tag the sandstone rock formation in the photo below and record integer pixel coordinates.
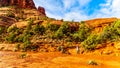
(19, 3)
(100, 21)
(6, 21)
(41, 10)
(23, 4)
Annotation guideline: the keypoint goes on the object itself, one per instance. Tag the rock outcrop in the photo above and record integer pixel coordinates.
(6, 21)
(99, 24)
(41, 10)
(19, 3)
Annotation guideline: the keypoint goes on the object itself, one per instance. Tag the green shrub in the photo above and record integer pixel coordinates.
(1, 30)
(22, 37)
(34, 48)
(92, 62)
(63, 31)
(17, 47)
(29, 26)
(12, 29)
(10, 14)
(112, 32)
(11, 37)
(82, 33)
(39, 29)
(26, 45)
(52, 27)
(90, 43)
(64, 28)
(59, 34)
(19, 38)
(23, 55)
(26, 38)
(17, 18)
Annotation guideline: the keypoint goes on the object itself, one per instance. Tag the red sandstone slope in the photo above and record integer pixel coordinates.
(100, 21)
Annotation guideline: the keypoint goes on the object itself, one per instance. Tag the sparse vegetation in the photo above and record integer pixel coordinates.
(52, 27)
(1, 30)
(82, 33)
(90, 43)
(92, 62)
(39, 29)
(35, 34)
(11, 37)
(10, 14)
(55, 32)
(23, 55)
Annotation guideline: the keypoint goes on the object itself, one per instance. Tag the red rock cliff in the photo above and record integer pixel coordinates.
(19, 3)
(22, 4)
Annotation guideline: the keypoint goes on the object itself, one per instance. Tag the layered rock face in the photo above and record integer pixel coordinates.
(19, 3)
(22, 4)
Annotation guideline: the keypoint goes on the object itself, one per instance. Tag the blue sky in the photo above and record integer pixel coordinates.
(79, 10)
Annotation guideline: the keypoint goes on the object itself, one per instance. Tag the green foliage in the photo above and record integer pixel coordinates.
(52, 27)
(17, 46)
(61, 49)
(92, 62)
(82, 33)
(39, 29)
(17, 18)
(10, 14)
(23, 55)
(26, 38)
(111, 33)
(12, 29)
(36, 28)
(11, 37)
(64, 28)
(63, 31)
(19, 38)
(1, 30)
(29, 26)
(90, 43)
(26, 45)
(58, 34)
(21, 14)
(12, 34)
(34, 48)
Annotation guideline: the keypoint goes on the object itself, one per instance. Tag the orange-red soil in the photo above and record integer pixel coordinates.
(56, 60)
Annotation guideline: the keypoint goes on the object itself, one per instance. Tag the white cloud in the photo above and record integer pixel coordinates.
(53, 16)
(111, 8)
(57, 9)
(68, 3)
(107, 4)
(75, 16)
(83, 2)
